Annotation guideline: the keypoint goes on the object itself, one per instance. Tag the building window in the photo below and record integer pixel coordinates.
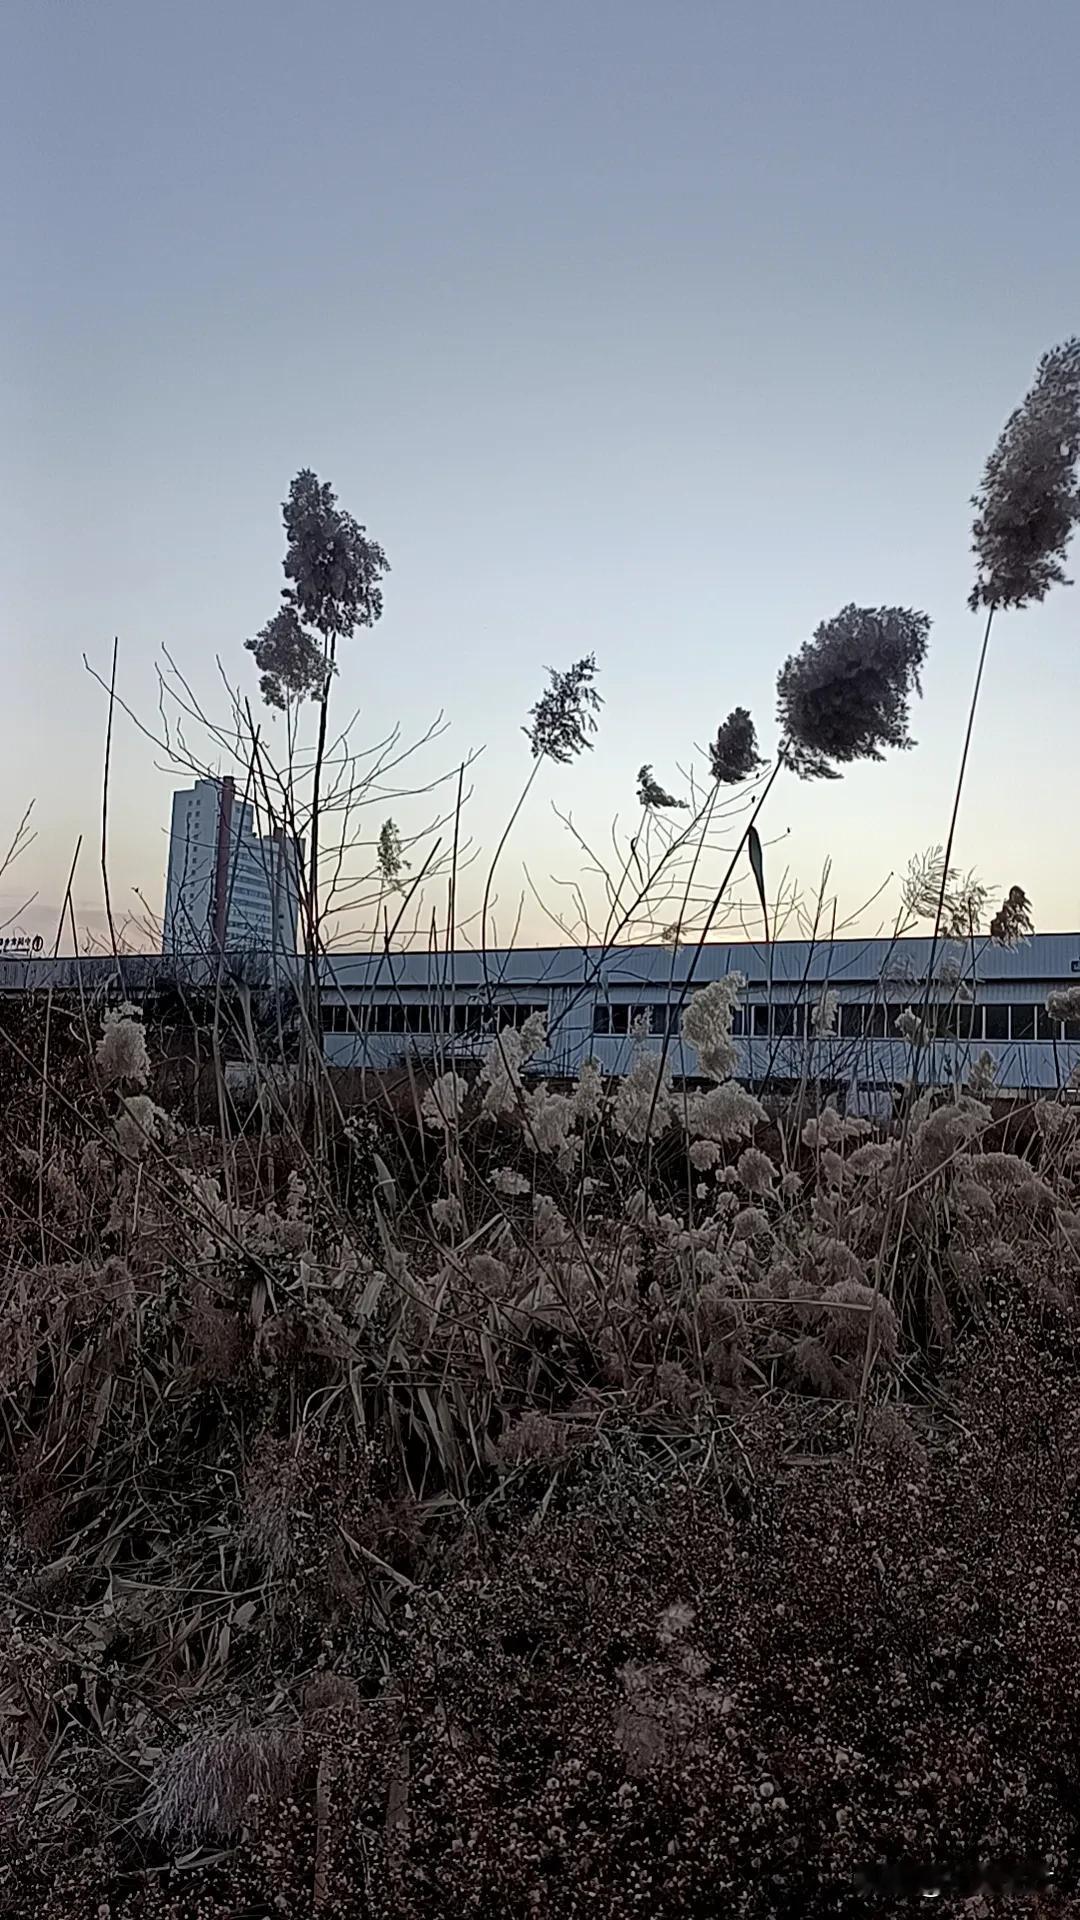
(434, 1016)
(611, 1018)
(1045, 1028)
(337, 1018)
(664, 1016)
(468, 1017)
(1023, 1020)
(996, 1022)
(851, 1021)
(514, 1013)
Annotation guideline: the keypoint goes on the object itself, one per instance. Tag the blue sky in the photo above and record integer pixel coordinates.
(655, 332)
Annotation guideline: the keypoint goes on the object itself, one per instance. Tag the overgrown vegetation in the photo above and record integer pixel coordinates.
(611, 1500)
(483, 1521)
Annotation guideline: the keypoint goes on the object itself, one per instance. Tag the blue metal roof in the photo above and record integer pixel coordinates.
(1053, 957)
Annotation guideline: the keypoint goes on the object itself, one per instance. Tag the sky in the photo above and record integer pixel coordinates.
(655, 332)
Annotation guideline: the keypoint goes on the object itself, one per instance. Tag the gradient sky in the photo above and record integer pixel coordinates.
(661, 332)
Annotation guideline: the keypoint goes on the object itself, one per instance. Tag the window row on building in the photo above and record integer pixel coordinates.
(425, 1016)
(998, 1021)
(620, 1016)
(856, 1020)
(1017, 1021)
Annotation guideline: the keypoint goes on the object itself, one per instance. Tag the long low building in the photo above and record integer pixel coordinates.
(381, 1011)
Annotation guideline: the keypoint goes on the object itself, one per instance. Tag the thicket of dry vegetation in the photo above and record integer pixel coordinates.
(616, 1501)
(597, 1501)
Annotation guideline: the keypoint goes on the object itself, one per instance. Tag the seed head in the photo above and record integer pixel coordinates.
(1029, 502)
(981, 1079)
(334, 570)
(290, 661)
(707, 1022)
(1012, 922)
(562, 718)
(733, 755)
(209, 1786)
(121, 1050)
(823, 1017)
(1063, 1003)
(844, 696)
(651, 794)
(390, 856)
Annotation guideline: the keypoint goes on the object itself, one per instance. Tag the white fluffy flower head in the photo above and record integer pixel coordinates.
(588, 1094)
(725, 1113)
(507, 1180)
(511, 1049)
(121, 1050)
(706, 1025)
(140, 1125)
(823, 1017)
(643, 1104)
(441, 1105)
(548, 1119)
(447, 1213)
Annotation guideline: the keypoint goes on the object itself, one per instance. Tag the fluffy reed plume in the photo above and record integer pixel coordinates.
(1013, 923)
(289, 659)
(390, 856)
(707, 1023)
(733, 756)
(980, 1081)
(958, 900)
(652, 795)
(1064, 1003)
(1029, 502)
(563, 717)
(213, 1785)
(334, 574)
(755, 1171)
(121, 1050)
(844, 696)
(824, 1015)
(333, 568)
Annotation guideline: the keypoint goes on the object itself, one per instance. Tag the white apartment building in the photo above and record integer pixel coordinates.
(229, 888)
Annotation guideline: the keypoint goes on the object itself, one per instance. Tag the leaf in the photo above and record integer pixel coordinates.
(387, 1183)
(433, 1421)
(397, 1802)
(369, 1299)
(757, 866)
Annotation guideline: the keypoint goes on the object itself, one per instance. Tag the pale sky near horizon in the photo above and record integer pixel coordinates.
(659, 332)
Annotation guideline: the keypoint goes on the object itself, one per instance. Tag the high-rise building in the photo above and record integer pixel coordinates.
(229, 888)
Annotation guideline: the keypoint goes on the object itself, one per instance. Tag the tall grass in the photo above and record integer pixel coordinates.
(508, 1498)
